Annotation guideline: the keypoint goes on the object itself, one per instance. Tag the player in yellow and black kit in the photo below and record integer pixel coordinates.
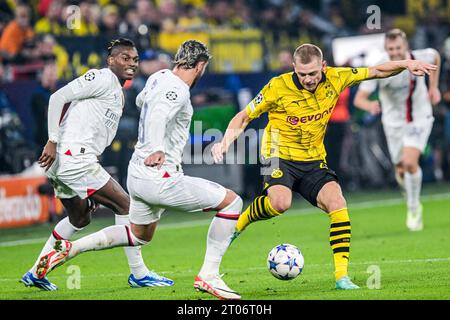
(299, 105)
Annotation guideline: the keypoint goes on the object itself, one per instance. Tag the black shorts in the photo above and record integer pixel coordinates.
(306, 177)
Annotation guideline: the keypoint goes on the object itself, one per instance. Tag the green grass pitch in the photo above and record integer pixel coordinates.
(410, 265)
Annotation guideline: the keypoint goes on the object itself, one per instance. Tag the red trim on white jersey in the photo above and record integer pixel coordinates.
(409, 100)
(64, 111)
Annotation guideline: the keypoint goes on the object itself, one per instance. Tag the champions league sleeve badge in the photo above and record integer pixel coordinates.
(171, 95)
(89, 76)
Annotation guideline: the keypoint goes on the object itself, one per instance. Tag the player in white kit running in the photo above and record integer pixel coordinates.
(156, 181)
(83, 120)
(407, 117)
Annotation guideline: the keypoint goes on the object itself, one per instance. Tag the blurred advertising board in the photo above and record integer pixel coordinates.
(20, 202)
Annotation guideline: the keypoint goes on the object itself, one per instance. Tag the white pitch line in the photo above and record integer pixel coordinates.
(306, 211)
(372, 262)
(22, 242)
(321, 265)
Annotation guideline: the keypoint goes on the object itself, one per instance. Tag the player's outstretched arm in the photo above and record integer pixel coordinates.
(391, 68)
(236, 126)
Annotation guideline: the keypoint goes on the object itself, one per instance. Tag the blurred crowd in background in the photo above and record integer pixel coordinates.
(30, 29)
(40, 40)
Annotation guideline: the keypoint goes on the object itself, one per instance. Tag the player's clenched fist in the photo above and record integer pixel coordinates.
(374, 108)
(217, 152)
(156, 159)
(48, 155)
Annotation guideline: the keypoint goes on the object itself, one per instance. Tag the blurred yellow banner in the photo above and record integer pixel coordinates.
(232, 50)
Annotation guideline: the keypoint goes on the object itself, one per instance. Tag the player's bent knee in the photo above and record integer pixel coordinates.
(139, 241)
(336, 204)
(80, 221)
(233, 210)
(280, 204)
(122, 207)
(142, 234)
(122, 211)
(410, 166)
(235, 206)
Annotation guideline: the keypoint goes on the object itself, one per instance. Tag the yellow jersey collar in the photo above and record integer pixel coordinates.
(299, 85)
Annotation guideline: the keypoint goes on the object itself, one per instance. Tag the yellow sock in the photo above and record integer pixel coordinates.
(340, 234)
(259, 209)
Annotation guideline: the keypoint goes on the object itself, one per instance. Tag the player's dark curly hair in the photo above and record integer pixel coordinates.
(121, 42)
(190, 53)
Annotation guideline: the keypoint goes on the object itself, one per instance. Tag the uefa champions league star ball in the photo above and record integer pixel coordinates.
(285, 262)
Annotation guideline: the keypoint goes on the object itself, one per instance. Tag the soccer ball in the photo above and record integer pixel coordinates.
(285, 262)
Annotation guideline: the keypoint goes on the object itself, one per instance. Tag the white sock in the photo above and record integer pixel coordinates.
(63, 230)
(413, 186)
(134, 255)
(220, 232)
(110, 237)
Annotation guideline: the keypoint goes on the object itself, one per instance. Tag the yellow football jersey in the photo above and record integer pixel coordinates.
(298, 118)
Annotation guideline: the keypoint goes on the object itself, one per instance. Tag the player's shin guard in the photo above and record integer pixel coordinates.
(220, 235)
(340, 233)
(259, 209)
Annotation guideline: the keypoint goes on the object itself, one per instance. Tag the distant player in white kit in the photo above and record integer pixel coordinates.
(407, 117)
(83, 120)
(156, 180)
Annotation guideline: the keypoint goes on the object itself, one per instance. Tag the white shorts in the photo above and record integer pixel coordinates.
(151, 196)
(79, 175)
(412, 134)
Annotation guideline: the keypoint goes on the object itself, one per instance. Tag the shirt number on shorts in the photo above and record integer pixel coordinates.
(142, 123)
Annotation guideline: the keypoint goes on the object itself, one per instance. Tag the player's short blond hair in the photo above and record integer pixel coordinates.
(307, 52)
(396, 33)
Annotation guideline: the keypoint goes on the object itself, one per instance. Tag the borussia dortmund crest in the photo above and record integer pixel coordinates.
(323, 165)
(329, 94)
(277, 173)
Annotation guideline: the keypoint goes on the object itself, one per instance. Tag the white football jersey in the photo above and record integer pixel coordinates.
(166, 113)
(92, 118)
(404, 98)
